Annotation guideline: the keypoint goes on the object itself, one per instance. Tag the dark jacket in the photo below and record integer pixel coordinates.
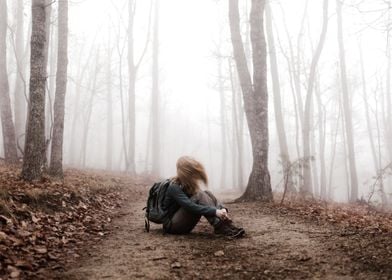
(176, 198)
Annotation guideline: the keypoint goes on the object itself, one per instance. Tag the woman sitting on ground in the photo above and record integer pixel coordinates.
(185, 202)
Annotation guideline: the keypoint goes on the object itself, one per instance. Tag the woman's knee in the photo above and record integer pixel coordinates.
(204, 198)
(212, 196)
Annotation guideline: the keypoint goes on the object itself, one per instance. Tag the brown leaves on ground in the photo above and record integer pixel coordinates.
(362, 231)
(44, 224)
(353, 217)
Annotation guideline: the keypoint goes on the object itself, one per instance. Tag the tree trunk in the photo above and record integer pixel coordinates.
(48, 137)
(297, 65)
(307, 186)
(233, 143)
(294, 65)
(346, 168)
(367, 114)
(48, 11)
(33, 161)
(388, 123)
(223, 165)
(76, 106)
(124, 153)
(148, 145)
(284, 151)
(379, 145)
(240, 138)
(131, 91)
(20, 81)
(56, 162)
(49, 116)
(7, 123)
(313, 162)
(155, 110)
(109, 112)
(237, 134)
(322, 137)
(388, 120)
(334, 138)
(347, 106)
(90, 104)
(255, 96)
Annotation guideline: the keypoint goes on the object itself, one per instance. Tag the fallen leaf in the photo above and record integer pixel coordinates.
(176, 265)
(15, 274)
(5, 220)
(34, 219)
(52, 256)
(17, 241)
(24, 233)
(219, 253)
(23, 264)
(3, 236)
(41, 250)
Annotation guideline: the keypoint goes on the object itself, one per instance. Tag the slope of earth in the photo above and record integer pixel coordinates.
(46, 224)
(280, 244)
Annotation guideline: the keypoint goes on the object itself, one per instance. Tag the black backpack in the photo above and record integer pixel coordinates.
(154, 211)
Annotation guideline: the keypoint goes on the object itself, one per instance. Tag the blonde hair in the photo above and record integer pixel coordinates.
(189, 173)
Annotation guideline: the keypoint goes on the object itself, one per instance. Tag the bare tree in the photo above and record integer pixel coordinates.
(367, 111)
(7, 123)
(56, 162)
(294, 63)
(238, 120)
(20, 82)
(81, 74)
(307, 187)
(155, 112)
(322, 139)
(93, 89)
(222, 114)
(255, 96)
(33, 161)
(133, 67)
(51, 87)
(347, 106)
(388, 118)
(382, 171)
(334, 137)
(312, 161)
(48, 108)
(284, 151)
(131, 89)
(109, 110)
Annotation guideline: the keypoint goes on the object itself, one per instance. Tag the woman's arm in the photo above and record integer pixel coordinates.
(184, 201)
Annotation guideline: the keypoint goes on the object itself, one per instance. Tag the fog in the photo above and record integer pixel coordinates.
(197, 81)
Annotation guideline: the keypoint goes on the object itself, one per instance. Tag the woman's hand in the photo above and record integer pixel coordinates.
(221, 214)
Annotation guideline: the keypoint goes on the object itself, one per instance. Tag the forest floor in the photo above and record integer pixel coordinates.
(299, 240)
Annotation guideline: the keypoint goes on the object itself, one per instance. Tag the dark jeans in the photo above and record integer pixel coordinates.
(183, 221)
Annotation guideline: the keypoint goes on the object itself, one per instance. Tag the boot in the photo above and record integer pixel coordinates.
(226, 228)
(234, 228)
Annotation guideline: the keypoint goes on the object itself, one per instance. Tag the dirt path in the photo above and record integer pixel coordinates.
(275, 247)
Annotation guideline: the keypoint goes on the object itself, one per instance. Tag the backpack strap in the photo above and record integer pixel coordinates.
(147, 224)
(146, 220)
